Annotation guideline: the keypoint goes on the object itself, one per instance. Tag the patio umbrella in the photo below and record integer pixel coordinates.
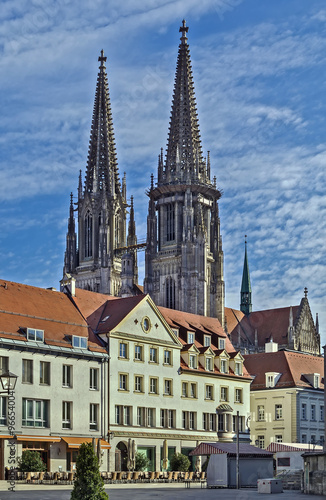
(129, 454)
(133, 454)
(165, 454)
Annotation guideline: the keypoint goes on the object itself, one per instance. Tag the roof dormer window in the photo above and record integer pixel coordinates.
(191, 337)
(207, 340)
(221, 343)
(192, 361)
(271, 378)
(80, 342)
(36, 335)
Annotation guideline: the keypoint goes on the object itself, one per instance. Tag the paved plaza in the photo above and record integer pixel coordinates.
(146, 492)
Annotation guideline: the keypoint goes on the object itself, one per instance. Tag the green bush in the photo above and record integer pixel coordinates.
(88, 484)
(31, 461)
(179, 462)
(141, 461)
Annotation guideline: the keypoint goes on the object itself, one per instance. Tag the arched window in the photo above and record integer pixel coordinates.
(170, 232)
(88, 234)
(170, 293)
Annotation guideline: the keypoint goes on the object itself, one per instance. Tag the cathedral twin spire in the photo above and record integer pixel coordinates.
(184, 257)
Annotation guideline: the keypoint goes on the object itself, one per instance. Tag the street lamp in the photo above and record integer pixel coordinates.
(8, 382)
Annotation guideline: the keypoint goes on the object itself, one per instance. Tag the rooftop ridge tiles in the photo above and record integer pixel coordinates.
(42, 318)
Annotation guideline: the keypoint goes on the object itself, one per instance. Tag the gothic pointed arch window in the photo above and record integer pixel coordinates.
(88, 234)
(170, 293)
(170, 225)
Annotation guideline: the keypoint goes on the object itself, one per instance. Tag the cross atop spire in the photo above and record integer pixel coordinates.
(183, 29)
(102, 59)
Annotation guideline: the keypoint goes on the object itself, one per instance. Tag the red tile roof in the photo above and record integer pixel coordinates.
(292, 366)
(269, 324)
(24, 306)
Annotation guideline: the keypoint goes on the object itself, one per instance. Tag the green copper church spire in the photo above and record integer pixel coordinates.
(245, 294)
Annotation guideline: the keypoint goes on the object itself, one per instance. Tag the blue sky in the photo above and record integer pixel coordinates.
(259, 71)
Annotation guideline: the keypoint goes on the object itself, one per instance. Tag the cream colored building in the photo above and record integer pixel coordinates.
(287, 398)
(169, 371)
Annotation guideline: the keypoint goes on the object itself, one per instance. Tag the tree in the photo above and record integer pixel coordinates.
(31, 461)
(141, 461)
(88, 483)
(179, 462)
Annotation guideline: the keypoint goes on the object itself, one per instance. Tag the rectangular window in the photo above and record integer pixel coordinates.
(238, 395)
(66, 414)
(221, 422)
(27, 371)
(4, 364)
(321, 414)
(138, 353)
(66, 376)
(192, 361)
(209, 421)
(221, 343)
(138, 383)
(234, 423)
(167, 357)
(207, 341)
(304, 438)
(140, 416)
(3, 410)
(184, 420)
(123, 382)
(313, 439)
(223, 366)
(278, 438)
(123, 350)
(93, 379)
(184, 389)
(224, 393)
(209, 392)
(153, 385)
(238, 368)
(261, 413)
(209, 364)
(171, 418)
(278, 412)
(36, 335)
(283, 461)
(191, 420)
(304, 411)
(44, 372)
(261, 441)
(35, 413)
(93, 417)
(126, 415)
(313, 412)
(191, 338)
(118, 414)
(168, 387)
(193, 391)
(80, 342)
(150, 417)
(153, 355)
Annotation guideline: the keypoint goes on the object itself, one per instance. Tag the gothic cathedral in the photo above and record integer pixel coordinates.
(184, 257)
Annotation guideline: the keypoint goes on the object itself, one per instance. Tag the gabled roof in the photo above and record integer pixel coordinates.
(24, 306)
(291, 365)
(269, 324)
(115, 311)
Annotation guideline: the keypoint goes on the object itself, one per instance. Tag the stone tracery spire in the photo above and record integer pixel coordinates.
(184, 159)
(102, 165)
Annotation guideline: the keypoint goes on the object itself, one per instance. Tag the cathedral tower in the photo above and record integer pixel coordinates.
(101, 206)
(184, 258)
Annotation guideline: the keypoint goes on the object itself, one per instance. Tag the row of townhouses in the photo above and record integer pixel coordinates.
(94, 366)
